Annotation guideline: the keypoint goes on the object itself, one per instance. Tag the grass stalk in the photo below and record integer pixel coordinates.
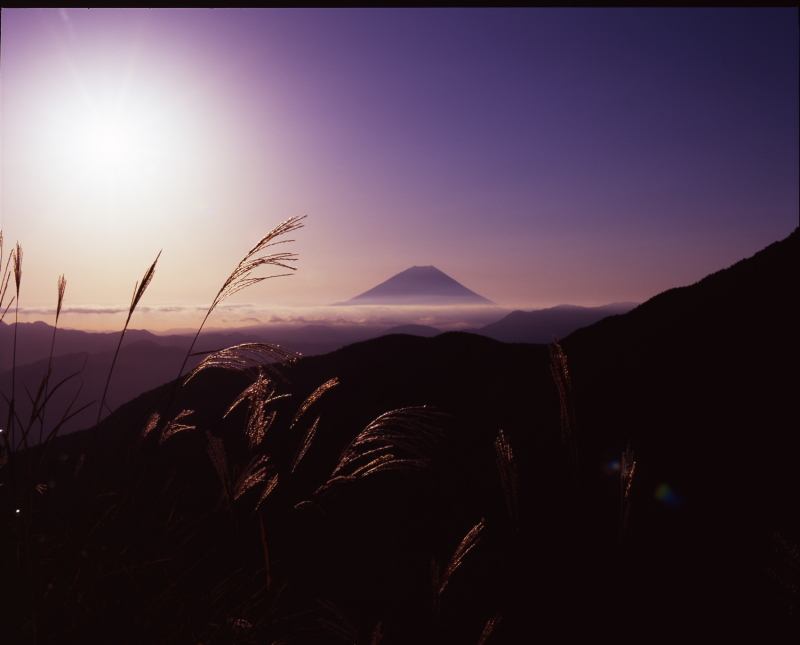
(628, 469)
(561, 375)
(138, 292)
(16, 256)
(240, 278)
(62, 286)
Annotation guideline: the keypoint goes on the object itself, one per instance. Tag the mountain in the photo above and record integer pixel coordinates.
(33, 342)
(419, 286)
(698, 385)
(540, 326)
(34, 339)
(145, 361)
(141, 366)
(414, 330)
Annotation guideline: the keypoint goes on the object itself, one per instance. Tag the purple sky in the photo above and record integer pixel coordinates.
(537, 156)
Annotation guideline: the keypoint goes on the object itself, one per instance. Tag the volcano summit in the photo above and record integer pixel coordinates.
(419, 286)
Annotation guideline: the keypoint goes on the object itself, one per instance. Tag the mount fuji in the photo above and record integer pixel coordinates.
(419, 286)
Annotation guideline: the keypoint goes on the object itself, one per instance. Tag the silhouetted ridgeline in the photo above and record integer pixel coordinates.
(148, 360)
(685, 381)
(541, 325)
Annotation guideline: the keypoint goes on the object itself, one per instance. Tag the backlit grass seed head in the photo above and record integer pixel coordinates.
(139, 289)
(174, 426)
(626, 479)
(308, 505)
(15, 260)
(240, 278)
(439, 580)
(304, 445)
(234, 483)
(508, 474)
(151, 424)
(4, 280)
(62, 287)
(259, 391)
(560, 371)
(17, 255)
(258, 395)
(138, 292)
(243, 357)
(408, 429)
(561, 375)
(314, 396)
(333, 481)
(489, 628)
(258, 422)
(254, 473)
(271, 484)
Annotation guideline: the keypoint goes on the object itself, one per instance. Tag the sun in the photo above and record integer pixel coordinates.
(109, 144)
(116, 126)
(113, 150)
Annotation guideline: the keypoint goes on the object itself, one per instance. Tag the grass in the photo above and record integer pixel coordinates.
(191, 529)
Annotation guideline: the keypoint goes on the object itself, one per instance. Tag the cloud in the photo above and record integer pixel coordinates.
(82, 309)
(168, 316)
(444, 317)
(116, 309)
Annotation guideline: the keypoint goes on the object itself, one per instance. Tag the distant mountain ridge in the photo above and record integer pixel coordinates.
(141, 366)
(148, 360)
(424, 285)
(541, 325)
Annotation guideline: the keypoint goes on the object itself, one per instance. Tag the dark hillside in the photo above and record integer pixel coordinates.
(407, 517)
(702, 381)
(160, 536)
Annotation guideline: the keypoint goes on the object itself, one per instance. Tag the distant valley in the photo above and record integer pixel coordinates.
(148, 360)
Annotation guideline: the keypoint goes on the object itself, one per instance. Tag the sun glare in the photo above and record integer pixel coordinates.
(110, 135)
(109, 144)
(110, 150)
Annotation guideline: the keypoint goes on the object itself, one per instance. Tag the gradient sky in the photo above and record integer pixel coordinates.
(537, 156)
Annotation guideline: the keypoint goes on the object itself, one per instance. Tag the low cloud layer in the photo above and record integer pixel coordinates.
(116, 309)
(164, 317)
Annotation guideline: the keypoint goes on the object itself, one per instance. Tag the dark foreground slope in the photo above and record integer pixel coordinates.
(702, 382)
(145, 541)
(364, 545)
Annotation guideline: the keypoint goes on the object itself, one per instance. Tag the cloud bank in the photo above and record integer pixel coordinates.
(170, 316)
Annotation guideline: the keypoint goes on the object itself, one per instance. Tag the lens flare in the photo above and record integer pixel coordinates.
(665, 494)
